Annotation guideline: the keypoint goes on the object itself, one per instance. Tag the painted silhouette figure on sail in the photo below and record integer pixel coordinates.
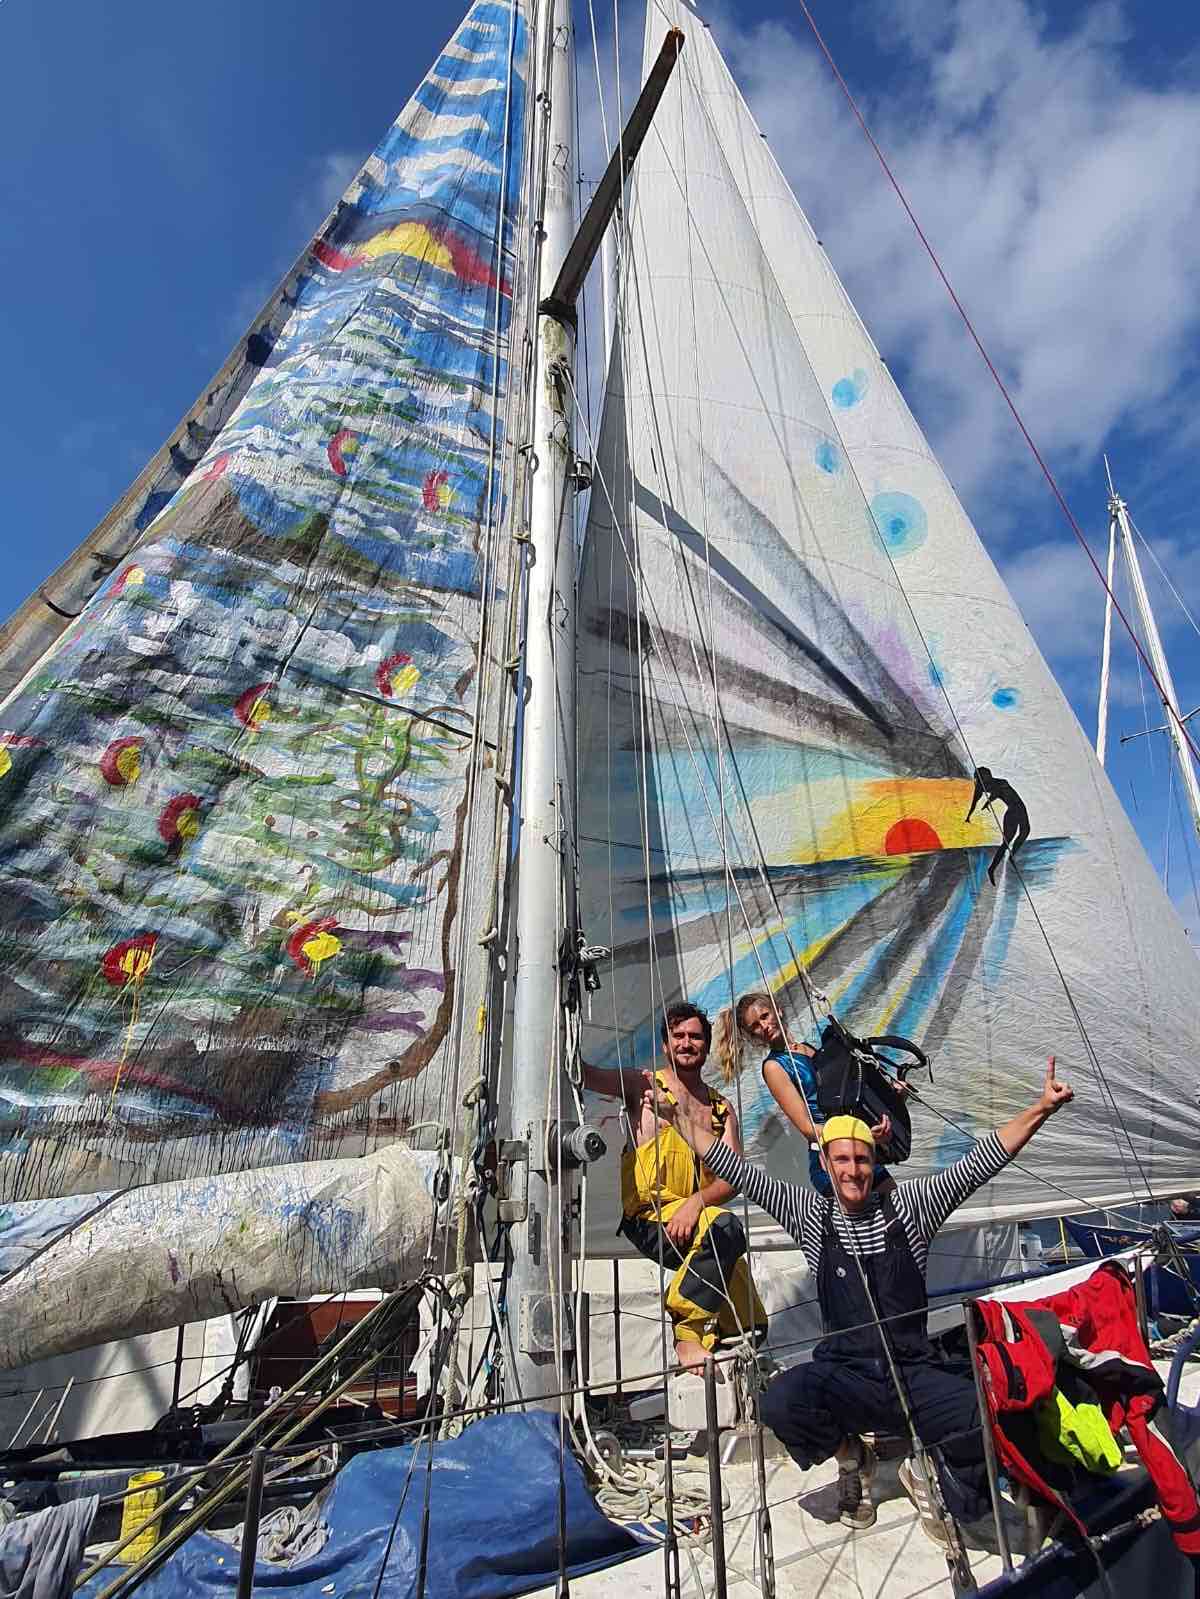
(1015, 826)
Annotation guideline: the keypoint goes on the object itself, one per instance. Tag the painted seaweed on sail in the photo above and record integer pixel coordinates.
(233, 794)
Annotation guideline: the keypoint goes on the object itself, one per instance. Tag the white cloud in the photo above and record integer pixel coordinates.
(1059, 597)
(1060, 193)
(326, 180)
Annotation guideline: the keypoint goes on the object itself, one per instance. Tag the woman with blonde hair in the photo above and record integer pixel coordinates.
(793, 1086)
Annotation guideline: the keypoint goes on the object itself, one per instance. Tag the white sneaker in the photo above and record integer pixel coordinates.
(915, 1486)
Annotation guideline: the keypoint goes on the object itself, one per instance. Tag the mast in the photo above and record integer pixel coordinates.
(546, 1145)
(548, 746)
(1119, 524)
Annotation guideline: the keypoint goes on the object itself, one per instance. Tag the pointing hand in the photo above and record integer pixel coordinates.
(1054, 1094)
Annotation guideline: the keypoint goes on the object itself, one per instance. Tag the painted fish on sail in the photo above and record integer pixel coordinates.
(232, 823)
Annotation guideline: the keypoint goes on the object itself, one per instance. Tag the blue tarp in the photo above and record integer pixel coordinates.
(493, 1525)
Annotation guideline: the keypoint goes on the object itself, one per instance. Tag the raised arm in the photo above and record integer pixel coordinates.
(1015, 1134)
(789, 1099)
(935, 1198)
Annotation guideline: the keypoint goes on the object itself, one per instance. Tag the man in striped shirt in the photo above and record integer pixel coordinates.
(868, 1253)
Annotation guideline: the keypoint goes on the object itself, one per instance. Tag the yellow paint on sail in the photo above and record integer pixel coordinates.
(409, 238)
(900, 816)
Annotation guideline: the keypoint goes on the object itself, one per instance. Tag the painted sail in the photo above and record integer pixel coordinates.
(794, 654)
(244, 877)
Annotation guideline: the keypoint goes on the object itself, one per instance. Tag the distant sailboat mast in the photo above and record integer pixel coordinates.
(1120, 531)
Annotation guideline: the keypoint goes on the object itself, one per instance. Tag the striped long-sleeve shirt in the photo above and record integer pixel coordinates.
(922, 1204)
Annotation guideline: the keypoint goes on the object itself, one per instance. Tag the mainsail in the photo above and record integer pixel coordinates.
(795, 653)
(246, 872)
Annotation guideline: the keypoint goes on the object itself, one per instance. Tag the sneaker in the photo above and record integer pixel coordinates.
(915, 1487)
(855, 1509)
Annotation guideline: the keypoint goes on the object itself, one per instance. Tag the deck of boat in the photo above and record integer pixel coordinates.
(815, 1556)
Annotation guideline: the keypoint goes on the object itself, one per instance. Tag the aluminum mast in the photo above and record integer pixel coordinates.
(546, 796)
(545, 1145)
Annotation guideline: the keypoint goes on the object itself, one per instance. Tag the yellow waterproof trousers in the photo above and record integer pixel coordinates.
(710, 1294)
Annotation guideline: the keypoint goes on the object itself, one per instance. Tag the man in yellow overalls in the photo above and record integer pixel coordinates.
(671, 1203)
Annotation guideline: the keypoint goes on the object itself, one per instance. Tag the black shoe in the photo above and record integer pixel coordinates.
(854, 1490)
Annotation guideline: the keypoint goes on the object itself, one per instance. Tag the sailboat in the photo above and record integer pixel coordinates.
(335, 779)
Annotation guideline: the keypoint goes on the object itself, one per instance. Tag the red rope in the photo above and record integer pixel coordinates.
(987, 361)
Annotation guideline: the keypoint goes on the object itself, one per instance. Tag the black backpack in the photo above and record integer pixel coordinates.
(851, 1081)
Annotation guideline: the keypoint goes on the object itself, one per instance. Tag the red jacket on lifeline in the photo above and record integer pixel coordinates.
(1104, 1342)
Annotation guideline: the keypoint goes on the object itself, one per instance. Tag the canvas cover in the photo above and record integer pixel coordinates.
(794, 654)
(174, 1253)
(244, 881)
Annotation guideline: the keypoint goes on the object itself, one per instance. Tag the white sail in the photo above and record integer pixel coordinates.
(795, 652)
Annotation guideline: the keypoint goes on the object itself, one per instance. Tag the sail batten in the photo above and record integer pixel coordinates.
(795, 653)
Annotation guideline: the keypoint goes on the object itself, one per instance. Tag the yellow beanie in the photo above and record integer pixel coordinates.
(846, 1127)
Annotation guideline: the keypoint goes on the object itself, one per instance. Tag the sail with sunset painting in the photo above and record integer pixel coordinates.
(246, 866)
(795, 656)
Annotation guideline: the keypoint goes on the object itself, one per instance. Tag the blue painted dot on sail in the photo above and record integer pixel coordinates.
(828, 457)
(1006, 699)
(849, 391)
(938, 675)
(901, 520)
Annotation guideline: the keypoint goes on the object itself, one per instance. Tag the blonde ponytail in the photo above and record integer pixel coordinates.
(728, 1040)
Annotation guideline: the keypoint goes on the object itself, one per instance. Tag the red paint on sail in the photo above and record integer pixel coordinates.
(335, 260)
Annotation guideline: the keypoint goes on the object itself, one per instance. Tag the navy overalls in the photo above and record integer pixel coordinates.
(848, 1388)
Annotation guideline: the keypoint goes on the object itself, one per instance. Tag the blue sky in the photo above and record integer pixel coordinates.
(158, 177)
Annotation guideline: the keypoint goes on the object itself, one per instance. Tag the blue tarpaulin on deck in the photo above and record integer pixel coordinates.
(493, 1525)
